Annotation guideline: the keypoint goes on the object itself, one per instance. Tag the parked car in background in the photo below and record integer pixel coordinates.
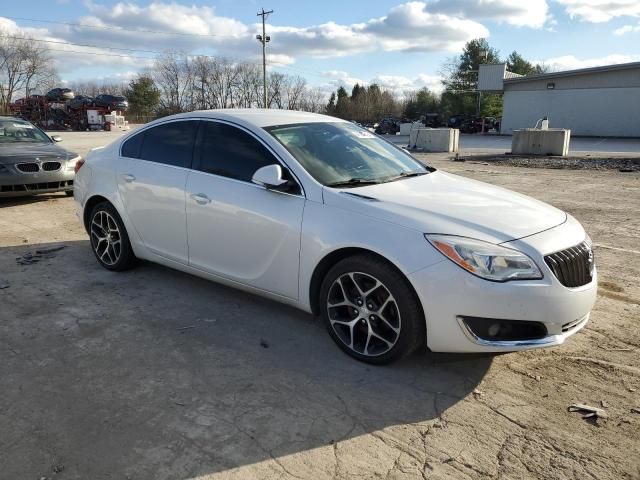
(60, 95)
(31, 162)
(321, 214)
(80, 101)
(388, 126)
(113, 102)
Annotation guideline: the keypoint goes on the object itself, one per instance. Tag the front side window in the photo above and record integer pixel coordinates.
(227, 151)
(337, 153)
(169, 143)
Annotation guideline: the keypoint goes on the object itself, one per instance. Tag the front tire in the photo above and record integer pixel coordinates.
(109, 238)
(371, 311)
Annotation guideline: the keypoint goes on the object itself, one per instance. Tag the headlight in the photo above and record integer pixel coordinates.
(71, 163)
(486, 260)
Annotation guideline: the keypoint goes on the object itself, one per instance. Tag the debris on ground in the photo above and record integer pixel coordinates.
(635, 409)
(187, 327)
(58, 468)
(604, 404)
(478, 393)
(29, 258)
(588, 410)
(264, 343)
(4, 284)
(51, 249)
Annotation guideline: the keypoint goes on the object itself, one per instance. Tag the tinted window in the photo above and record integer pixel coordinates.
(230, 152)
(170, 143)
(131, 148)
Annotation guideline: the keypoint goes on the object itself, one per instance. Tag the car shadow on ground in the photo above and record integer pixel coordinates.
(29, 199)
(157, 374)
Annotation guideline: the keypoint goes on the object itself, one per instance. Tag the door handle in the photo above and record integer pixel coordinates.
(128, 177)
(200, 198)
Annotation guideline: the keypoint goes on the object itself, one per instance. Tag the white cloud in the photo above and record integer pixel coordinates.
(598, 11)
(570, 62)
(395, 83)
(530, 13)
(626, 29)
(410, 27)
(406, 27)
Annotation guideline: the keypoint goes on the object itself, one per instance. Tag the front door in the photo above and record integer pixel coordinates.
(235, 228)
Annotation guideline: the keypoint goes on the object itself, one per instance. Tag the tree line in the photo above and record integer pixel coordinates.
(177, 82)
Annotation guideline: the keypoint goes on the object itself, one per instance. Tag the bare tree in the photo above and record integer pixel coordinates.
(173, 75)
(22, 62)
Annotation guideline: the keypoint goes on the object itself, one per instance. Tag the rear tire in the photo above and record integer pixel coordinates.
(109, 238)
(371, 311)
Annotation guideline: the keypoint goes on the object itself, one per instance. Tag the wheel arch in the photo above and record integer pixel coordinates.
(89, 206)
(332, 258)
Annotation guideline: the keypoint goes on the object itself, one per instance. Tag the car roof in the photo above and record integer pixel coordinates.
(259, 117)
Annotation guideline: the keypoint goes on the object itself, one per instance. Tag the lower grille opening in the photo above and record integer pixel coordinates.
(492, 329)
(36, 186)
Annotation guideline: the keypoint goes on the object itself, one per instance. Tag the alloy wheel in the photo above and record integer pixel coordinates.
(363, 313)
(106, 239)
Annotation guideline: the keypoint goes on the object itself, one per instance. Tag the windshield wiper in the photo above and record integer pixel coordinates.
(402, 175)
(353, 182)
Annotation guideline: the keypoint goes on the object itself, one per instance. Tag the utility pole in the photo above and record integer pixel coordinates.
(264, 39)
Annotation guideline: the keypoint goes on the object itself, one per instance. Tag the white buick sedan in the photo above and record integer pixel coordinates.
(321, 214)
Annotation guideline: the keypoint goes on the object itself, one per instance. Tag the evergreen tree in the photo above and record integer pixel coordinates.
(143, 96)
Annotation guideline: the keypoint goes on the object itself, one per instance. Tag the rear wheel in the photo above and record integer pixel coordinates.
(109, 239)
(371, 311)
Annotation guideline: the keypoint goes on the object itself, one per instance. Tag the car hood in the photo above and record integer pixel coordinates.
(440, 202)
(27, 152)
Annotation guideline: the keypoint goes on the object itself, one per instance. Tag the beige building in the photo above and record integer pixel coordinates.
(598, 101)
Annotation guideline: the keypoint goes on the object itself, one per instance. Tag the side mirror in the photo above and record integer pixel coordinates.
(56, 138)
(270, 177)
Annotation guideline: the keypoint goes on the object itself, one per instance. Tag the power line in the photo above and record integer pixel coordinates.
(84, 45)
(100, 54)
(109, 27)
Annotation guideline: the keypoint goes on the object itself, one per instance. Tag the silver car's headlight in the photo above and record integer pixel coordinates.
(486, 260)
(71, 163)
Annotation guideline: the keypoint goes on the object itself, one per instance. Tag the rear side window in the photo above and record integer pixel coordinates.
(230, 152)
(170, 143)
(131, 148)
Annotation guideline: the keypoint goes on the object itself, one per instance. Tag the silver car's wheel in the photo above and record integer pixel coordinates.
(363, 314)
(106, 239)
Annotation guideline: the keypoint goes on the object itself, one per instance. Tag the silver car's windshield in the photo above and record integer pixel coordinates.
(343, 154)
(19, 131)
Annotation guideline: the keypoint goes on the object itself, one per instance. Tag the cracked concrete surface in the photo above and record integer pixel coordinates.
(100, 376)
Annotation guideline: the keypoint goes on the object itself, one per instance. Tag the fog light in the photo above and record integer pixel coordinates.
(504, 330)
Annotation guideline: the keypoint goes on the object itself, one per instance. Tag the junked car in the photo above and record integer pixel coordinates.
(318, 213)
(31, 162)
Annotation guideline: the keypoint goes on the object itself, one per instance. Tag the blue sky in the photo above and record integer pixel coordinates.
(400, 45)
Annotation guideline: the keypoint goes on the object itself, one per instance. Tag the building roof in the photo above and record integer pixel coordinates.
(570, 73)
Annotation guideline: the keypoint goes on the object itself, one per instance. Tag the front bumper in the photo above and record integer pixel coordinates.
(448, 293)
(14, 183)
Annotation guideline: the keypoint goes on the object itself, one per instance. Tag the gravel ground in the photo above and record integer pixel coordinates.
(622, 164)
(153, 374)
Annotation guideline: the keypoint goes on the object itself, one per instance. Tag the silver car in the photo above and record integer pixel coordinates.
(31, 162)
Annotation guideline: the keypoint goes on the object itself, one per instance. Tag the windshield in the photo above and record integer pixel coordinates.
(343, 153)
(19, 131)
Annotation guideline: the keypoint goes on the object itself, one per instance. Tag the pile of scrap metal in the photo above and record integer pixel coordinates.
(61, 109)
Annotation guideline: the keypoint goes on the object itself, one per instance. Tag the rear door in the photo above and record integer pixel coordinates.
(152, 173)
(237, 229)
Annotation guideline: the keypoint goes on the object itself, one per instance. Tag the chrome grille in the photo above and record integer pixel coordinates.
(50, 166)
(573, 267)
(28, 167)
